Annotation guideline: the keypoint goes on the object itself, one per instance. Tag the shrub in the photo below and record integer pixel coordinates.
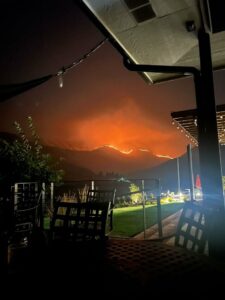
(22, 160)
(135, 196)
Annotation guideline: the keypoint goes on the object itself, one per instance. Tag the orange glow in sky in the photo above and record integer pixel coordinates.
(101, 102)
(126, 128)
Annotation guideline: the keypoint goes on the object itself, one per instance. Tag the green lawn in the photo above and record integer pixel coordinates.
(128, 221)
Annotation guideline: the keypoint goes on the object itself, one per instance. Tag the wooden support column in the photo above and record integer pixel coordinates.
(190, 168)
(209, 152)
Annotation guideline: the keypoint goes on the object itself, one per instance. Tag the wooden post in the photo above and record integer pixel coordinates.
(51, 195)
(159, 213)
(178, 177)
(143, 203)
(190, 167)
(209, 152)
(42, 205)
(92, 185)
(16, 188)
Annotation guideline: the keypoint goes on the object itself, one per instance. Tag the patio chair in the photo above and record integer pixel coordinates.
(25, 237)
(104, 196)
(74, 221)
(26, 219)
(191, 230)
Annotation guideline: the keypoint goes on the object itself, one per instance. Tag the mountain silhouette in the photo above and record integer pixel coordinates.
(106, 159)
(167, 172)
(80, 165)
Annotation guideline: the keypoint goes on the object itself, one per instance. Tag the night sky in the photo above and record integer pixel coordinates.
(101, 102)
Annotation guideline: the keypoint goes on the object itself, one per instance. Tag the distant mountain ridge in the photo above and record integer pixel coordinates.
(106, 159)
(86, 164)
(79, 165)
(167, 172)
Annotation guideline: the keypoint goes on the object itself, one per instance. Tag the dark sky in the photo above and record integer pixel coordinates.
(101, 102)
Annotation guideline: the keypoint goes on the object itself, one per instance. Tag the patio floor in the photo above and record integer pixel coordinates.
(169, 225)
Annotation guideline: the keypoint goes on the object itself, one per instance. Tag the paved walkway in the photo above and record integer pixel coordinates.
(169, 225)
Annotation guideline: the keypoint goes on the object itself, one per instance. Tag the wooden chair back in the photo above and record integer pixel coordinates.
(26, 218)
(191, 228)
(104, 196)
(81, 221)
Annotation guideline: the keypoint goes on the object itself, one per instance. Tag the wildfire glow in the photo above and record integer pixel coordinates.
(122, 151)
(164, 156)
(144, 150)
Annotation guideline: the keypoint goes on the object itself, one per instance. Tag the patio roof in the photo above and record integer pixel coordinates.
(157, 32)
(186, 121)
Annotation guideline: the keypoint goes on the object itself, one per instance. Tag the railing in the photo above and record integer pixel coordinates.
(145, 187)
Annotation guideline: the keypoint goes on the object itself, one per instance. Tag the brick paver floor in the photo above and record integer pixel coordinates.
(169, 227)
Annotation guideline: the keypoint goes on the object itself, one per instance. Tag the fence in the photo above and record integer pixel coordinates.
(142, 190)
(146, 189)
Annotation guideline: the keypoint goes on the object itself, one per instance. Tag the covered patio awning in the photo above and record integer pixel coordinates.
(158, 32)
(186, 121)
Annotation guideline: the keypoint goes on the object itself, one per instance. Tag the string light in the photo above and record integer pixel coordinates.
(67, 68)
(183, 129)
(60, 77)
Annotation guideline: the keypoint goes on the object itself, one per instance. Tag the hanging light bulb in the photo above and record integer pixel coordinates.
(60, 80)
(60, 77)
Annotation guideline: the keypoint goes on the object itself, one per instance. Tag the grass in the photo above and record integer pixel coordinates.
(128, 221)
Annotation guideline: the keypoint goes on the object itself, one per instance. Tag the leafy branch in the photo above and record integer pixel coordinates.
(24, 160)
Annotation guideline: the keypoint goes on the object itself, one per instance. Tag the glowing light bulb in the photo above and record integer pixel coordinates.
(60, 80)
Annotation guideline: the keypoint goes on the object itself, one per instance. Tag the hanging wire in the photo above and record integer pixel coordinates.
(67, 68)
(8, 91)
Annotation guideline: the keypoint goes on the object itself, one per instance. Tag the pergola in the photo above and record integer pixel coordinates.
(187, 122)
